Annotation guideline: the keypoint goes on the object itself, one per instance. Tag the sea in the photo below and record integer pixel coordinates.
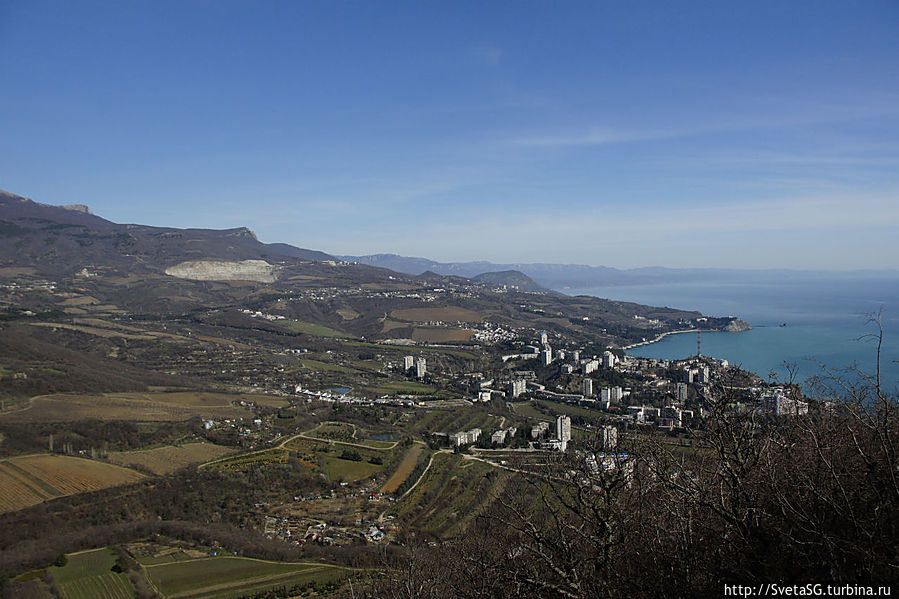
(818, 326)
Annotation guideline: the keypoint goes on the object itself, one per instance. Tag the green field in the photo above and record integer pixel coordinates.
(337, 469)
(334, 431)
(89, 575)
(405, 388)
(324, 366)
(325, 457)
(316, 330)
(591, 416)
(345, 432)
(528, 410)
(220, 577)
(369, 364)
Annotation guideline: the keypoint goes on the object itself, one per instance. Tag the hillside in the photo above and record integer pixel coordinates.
(60, 241)
(76, 263)
(510, 278)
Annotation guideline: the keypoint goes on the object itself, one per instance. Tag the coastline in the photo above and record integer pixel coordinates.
(663, 335)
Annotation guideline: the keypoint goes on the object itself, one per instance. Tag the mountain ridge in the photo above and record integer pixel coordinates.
(580, 276)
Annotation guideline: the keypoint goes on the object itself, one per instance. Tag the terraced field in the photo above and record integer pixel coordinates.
(451, 494)
(276, 455)
(448, 421)
(29, 480)
(221, 577)
(167, 459)
(89, 575)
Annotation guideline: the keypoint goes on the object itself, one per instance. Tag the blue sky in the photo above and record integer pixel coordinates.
(682, 134)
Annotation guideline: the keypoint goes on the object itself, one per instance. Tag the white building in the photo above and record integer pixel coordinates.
(499, 437)
(546, 357)
(588, 387)
(421, 368)
(408, 362)
(612, 395)
(517, 387)
(609, 437)
(702, 375)
(780, 405)
(484, 395)
(608, 359)
(567, 368)
(591, 366)
(465, 437)
(563, 430)
(576, 355)
(544, 338)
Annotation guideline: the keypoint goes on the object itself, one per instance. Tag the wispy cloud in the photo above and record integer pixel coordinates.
(790, 114)
(595, 136)
(488, 55)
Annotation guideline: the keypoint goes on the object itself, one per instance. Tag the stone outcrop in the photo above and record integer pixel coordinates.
(220, 270)
(737, 326)
(78, 208)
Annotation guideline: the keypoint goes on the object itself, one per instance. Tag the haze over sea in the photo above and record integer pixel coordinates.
(825, 319)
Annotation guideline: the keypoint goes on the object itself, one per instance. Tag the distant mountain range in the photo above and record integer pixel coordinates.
(578, 276)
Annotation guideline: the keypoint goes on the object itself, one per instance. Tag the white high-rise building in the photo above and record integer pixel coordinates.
(421, 368)
(546, 357)
(544, 338)
(609, 437)
(588, 387)
(563, 430)
(408, 362)
(616, 394)
(608, 359)
(576, 355)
